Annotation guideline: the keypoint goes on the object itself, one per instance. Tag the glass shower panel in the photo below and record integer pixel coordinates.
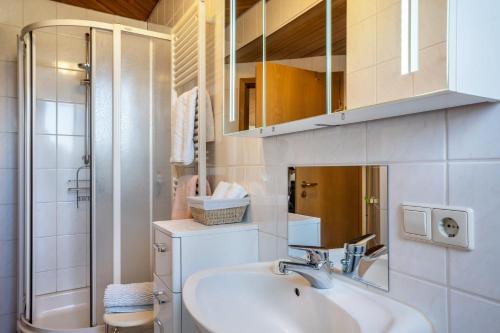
(61, 210)
(102, 162)
(162, 187)
(136, 157)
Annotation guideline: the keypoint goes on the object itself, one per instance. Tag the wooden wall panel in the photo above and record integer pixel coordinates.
(135, 9)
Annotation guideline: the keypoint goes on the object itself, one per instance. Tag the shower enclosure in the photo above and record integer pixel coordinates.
(94, 165)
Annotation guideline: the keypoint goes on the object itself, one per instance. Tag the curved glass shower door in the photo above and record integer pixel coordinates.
(96, 170)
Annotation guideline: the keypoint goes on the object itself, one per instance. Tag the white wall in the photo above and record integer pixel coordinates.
(441, 157)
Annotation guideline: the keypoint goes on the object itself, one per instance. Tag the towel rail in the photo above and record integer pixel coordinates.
(188, 64)
(187, 29)
(186, 49)
(189, 70)
(189, 48)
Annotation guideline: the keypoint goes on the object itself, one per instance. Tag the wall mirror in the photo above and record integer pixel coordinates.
(331, 206)
(281, 60)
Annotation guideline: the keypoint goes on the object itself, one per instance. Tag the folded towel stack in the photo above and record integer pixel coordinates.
(133, 297)
(226, 190)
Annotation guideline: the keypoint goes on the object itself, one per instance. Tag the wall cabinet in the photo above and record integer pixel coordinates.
(372, 60)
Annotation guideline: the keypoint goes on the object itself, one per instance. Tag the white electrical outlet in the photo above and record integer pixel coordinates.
(440, 225)
(453, 227)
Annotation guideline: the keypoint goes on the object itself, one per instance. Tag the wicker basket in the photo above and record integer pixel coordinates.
(218, 216)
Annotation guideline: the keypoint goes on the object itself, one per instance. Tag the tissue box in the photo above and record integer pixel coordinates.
(217, 211)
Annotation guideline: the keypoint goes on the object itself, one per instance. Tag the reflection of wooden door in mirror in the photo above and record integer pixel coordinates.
(294, 93)
(372, 201)
(336, 200)
(247, 101)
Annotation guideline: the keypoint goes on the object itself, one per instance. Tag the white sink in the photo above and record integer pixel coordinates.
(251, 298)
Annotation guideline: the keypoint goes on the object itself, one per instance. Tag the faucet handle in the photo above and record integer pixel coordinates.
(375, 252)
(361, 240)
(315, 254)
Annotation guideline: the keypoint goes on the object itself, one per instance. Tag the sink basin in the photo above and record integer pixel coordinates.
(251, 298)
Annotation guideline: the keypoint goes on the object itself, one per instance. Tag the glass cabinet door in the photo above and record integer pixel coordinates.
(395, 50)
(243, 65)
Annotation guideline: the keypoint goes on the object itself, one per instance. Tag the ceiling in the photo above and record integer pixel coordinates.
(135, 9)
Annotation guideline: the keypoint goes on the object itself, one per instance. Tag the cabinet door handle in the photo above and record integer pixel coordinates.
(160, 247)
(160, 325)
(158, 295)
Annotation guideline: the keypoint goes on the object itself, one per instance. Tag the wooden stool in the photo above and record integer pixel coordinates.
(123, 320)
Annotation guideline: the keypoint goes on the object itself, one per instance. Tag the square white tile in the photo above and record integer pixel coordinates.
(69, 88)
(8, 73)
(45, 282)
(267, 247)
(8, 150)
(44, 221)
(45, 117)
(46, 49)
(8, 222)
(8, 114)
(12, 12)
(8, 258)
(45, 185)
(342, 144)
(46, 83)
(71, 251)
(71, 51)
(477, 186)
(70, 219)
(45, 152)
(8, 290)
(70, 150)
(63, 178)
(39, 10)
(70, 119)
(472, 314)
(8, 40)
(8, 186)
(45, 252)
(418, 137)
(474, 131)
(428, 298)
(71, 278)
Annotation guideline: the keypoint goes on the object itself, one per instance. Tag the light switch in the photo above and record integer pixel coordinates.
(417, 222)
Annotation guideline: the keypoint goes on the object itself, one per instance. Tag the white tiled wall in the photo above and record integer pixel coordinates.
(57, 220)
(440, 157)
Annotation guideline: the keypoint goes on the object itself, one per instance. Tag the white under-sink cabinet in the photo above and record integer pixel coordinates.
(183, 247)
(402, 49)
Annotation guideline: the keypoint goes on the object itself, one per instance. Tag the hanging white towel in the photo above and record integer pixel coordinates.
(210, 133)
(183, 123)
(183, 117)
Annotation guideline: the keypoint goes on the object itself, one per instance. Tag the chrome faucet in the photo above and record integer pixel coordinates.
(317, 269)
(356, 252)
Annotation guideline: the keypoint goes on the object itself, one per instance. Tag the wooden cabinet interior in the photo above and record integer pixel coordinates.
(292, 94)
(302, 37)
